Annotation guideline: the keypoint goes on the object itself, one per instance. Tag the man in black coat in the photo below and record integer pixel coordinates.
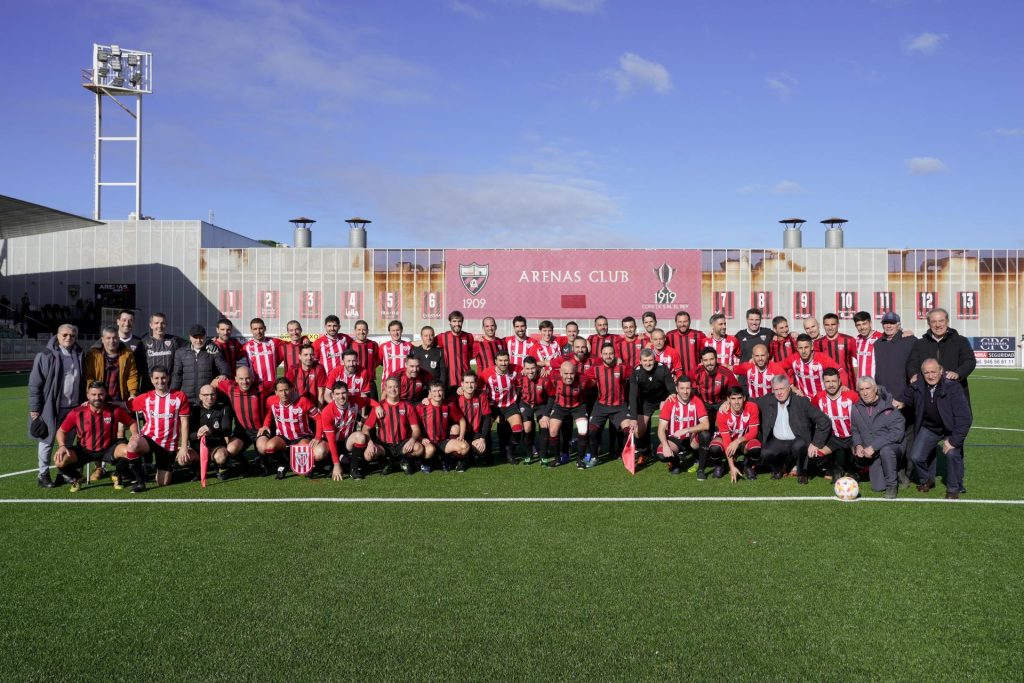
(792, 429)
(942, 414)
(197, 364)
(945, 345)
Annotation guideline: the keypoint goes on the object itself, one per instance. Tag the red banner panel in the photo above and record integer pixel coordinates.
(231, 303)
(846, 305)
(268, 303)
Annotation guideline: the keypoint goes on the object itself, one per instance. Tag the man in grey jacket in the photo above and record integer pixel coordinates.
(55, 386)
(877, 428)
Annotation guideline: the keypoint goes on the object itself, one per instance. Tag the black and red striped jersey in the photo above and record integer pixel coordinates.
(596, 341)
(842, 349)
(396, 424)
(413, 389)
(485, 351)
(232, 350)
(250, 407)
(368, 353)
(781, 348)
(458, 351)
(531, 391)
(96, 429)
(474, 408)
(629, 351)
(290, 352)
(688, 345)
(567, 396)
(308, 383)
(437, 420)
(610, 381)
(713, 388)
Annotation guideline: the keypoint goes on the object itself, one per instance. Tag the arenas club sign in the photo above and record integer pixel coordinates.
(573, 283)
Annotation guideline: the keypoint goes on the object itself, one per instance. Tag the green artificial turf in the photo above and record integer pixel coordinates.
(756, 590)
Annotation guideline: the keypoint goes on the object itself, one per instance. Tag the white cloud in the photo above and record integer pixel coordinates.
(467, 9)
(787, 187)
(577, 6)
(926, 166)
(1010, 132)
(782, 84)
(925, 43)
(635, 73)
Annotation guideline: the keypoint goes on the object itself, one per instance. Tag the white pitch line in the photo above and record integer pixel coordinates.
(612, 499)
(1005, 379)
(997, 429)
(14, 474)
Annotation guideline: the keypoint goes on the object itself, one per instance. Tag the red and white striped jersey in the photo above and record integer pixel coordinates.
(680, 416)
(162, 415)
(393, 355)
(866, 354)
(727, 348)
(264, 357)
(759, 382)
(503, 389)
(808, 376)
(291, 421)
(329, 351)
(838, 410)
(731, 426)
(518, 349)
(338, 422)
(669, 357)
(547, 352)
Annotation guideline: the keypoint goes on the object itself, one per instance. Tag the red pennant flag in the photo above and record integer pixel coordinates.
(629, 454)
(204, 460)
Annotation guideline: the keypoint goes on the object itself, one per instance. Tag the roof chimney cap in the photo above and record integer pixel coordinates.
(793, 223)
(834, 222)
(358, 222)
(302, 222)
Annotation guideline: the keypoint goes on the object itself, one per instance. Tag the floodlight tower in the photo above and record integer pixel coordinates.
(118, 72)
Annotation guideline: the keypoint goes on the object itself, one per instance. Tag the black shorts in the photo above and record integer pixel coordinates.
(563, 414)
(85, 456)
(615, 414)
(393, 451)
(534, 413)
(440, 445)
(246, 436)
(294, 442)
(682, 444)
(509, 411)
(162, 458)
(836, 443)
(212, 443)
(649, 409)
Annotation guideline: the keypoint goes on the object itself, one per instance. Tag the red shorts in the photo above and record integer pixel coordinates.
(753, 443)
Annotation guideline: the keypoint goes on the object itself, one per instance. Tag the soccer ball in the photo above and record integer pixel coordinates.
(846, 488)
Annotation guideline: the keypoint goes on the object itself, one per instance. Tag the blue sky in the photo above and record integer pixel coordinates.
(542, 122)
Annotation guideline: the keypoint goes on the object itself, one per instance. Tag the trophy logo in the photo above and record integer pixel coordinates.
(664, 272)
(474, 277)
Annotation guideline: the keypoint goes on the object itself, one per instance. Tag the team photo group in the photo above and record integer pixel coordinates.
(766, 402)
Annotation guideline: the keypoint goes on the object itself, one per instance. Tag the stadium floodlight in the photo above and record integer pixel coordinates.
(118, 72)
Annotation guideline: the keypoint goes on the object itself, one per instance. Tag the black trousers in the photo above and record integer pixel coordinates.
(780, 455)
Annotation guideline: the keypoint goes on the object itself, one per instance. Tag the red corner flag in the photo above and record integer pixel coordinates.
(204, 460)
(629, 454)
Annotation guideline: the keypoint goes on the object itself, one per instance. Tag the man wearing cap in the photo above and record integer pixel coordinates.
(55, 386)
(892, 351)
(197, 365)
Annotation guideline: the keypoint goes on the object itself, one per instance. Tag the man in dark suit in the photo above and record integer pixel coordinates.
(942, 414)
(792, 429)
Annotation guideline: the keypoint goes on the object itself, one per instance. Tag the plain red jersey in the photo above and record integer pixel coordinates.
(249, 407)
(742, 425)
(837, 409)
(293, 421)
(485, 351)
(163, 416)
(503, 390)
(396, 424)
(679, 416)
(759, 382)
(96, 429)
(329, 351)
(437, 421)
(264, 357)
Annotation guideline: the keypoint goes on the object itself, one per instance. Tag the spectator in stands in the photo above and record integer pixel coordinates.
(55, 386)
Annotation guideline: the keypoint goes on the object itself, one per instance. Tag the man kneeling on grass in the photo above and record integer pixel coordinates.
(164, 434)
(444, 429)
(292, 417)
(95, 425)
(398, 434)
(337, 431)
(682, 418)
(877, 434)
(738, 421)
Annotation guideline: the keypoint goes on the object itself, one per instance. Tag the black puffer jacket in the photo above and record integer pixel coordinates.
(193, 369)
